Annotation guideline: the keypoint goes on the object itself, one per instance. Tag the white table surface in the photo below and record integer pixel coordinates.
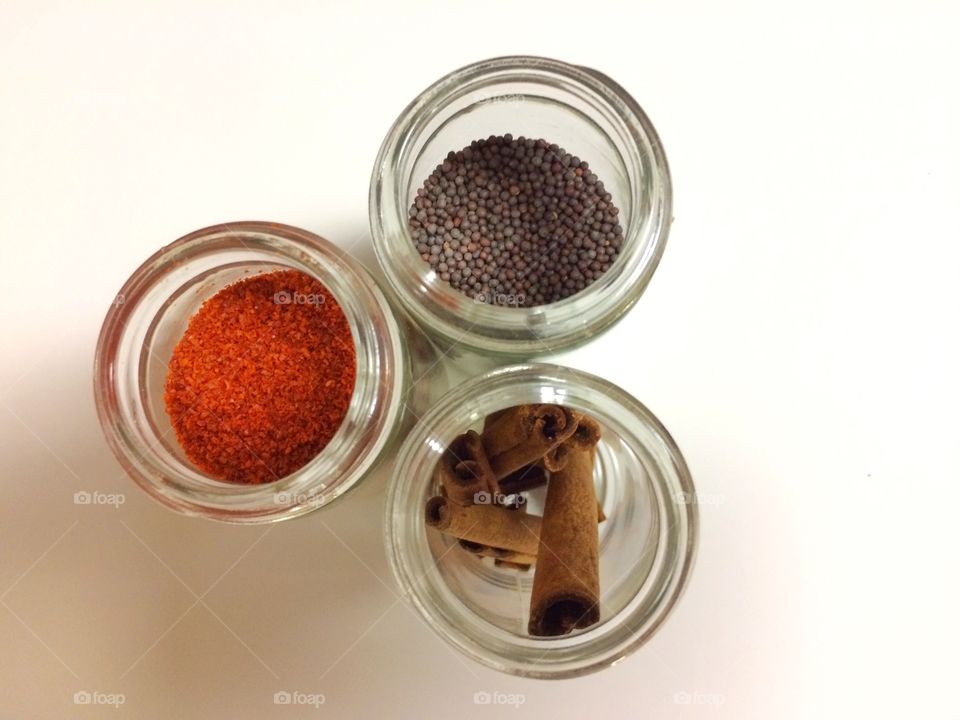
(799, 340)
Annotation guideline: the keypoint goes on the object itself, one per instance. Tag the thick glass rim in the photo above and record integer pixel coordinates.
(522, 332)
(373, 415)
(418, 575)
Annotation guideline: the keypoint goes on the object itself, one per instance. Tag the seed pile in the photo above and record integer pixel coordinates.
(262, 378)
(515, 221)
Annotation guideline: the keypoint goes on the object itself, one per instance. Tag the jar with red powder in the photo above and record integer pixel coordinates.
(252, 372)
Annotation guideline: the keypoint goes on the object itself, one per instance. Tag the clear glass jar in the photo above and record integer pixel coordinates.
(148, 319)
(579, 109)
(647, 542)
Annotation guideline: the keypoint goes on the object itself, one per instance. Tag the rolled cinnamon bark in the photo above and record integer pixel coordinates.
(523, 434)
(566, 585)
(499, 554)
(492, 525)
(586, 434)
(526, 478)
(465, 471)
(518, 562)
(494, 416)
(502, 556)
(587, 431)
(556, 458)
(531, 477)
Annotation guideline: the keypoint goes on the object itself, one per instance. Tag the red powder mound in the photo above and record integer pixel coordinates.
(262, 378)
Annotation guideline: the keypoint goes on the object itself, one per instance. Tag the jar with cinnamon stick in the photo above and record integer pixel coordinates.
(578, 538)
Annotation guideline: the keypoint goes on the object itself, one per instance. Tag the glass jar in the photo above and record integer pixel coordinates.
(151, 314)
(647, 542)
(579, 109)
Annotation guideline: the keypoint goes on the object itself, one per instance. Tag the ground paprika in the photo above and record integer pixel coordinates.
(262, 378)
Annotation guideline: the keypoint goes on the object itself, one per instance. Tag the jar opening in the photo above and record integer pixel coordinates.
(646, 541)
(138, 337)
(579, 110)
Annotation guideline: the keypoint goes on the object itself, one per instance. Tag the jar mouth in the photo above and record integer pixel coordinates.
(578, 108)
(148, 318)
(647, 543)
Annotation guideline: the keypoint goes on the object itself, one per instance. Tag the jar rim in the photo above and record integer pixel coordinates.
(375, 409)
(520, 332)
(420, 579)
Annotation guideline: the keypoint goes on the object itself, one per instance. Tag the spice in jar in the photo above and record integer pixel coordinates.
(483, 478)
(262, 378)
(515, 222)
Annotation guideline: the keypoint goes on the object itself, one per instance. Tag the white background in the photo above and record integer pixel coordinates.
(799, 340)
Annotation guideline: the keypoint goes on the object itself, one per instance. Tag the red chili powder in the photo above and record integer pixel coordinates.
(262, 377)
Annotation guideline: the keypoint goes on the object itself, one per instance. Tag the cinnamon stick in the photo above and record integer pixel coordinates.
(523, 434)
(465, 471)
(501, 555)
(494, 416)
(492, 525)
(520, 562)
(566, 585)
(531, 477)
(525, 478)
(587, 433)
